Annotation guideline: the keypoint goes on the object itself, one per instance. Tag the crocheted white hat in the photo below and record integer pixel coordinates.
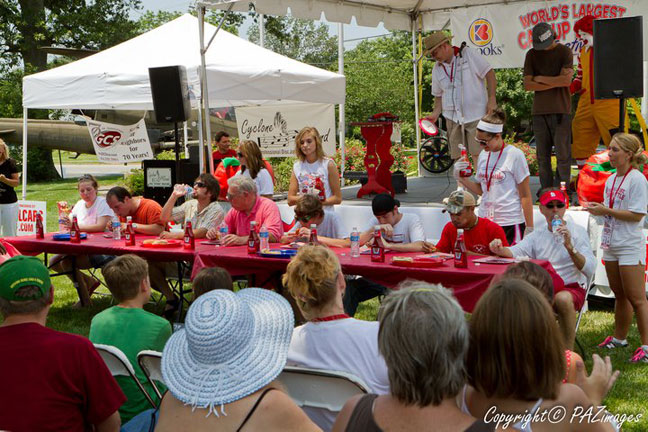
(232, 345)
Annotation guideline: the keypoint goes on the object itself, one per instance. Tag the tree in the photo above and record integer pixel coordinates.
(28, 25)
(150, 20)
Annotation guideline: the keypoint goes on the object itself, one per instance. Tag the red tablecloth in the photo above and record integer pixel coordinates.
(467, 284)
(97, 244)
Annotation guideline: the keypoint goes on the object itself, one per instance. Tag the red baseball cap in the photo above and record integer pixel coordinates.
(554, 195)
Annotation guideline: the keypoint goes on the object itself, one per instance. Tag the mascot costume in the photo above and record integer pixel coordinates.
(594, 118)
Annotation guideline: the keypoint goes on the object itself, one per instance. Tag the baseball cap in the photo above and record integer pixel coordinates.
(553, 195)
(383, 203)
(458, 200)
(21, 271)
(543, 36)
(435, 40)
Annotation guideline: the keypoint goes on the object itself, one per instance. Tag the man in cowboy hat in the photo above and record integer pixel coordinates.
(459, 90)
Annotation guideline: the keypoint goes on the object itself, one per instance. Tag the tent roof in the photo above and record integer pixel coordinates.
(394, 14)
(238, 73)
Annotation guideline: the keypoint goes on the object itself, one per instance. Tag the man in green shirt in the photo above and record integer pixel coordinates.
(129, 327)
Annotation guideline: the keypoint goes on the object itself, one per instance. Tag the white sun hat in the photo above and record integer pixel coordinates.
(232, 345)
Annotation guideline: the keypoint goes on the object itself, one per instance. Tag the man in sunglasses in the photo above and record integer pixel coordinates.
(331, 230)
(571, 256)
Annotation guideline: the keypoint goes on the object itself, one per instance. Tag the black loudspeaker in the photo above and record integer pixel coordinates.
(618, 58)
(170, 93)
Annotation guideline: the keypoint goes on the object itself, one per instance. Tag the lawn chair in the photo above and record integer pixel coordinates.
(320, 391)
(590, 284)
(151, 364)
(119, 365)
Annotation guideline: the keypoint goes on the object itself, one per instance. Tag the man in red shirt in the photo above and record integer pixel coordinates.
(223, 150)
(51, 381)
(478, 232)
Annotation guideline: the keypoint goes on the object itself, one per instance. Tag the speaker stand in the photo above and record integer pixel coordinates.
(619, 95)
(177, 153)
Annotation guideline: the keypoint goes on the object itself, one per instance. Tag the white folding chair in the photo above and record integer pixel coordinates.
(119, 365)
(590, 284)
(320, 392)
(151, 364)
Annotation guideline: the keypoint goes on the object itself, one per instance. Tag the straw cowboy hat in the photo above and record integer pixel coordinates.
(435, 40)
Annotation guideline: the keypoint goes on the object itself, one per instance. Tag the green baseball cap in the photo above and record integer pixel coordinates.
(21, 271)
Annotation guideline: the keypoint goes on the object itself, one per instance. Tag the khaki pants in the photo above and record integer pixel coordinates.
(454, 139)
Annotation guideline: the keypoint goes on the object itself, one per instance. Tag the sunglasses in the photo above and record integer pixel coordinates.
(557, 205)
(199, 184)
(304, 219)
(483, 142)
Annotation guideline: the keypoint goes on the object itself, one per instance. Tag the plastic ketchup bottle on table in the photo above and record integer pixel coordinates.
(189, 240)
(563, 189)
(464, 157)
(355, 243)
(75, 234)
(460, 257)
(129, 233)
(264, 238)
(378, 247)
(253, 245)
(40, 231)
(313, 235)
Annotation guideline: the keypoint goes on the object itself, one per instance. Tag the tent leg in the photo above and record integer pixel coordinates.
(204, 96)
(416, 101)
(24, 155)
(342, 127)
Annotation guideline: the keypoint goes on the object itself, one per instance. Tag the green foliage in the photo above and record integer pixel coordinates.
(302, 40)
(135, 182)
(11, 94)
(513, 99)
(354, 154)
(150, 19)
(168, 155)
(282, 168)
(529, 153)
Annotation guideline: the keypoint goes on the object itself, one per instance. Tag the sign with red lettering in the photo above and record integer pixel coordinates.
(120, 143)
(502, 32)
(27, 211)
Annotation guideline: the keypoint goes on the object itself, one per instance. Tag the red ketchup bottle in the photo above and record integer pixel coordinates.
(378, 247)
(319, 186)
(75, 234)
(129, 234)
(189, 240)
(460, 257)
(254, 243)
(40, 231)
(313, 235)
(464, 156)
(563, 189)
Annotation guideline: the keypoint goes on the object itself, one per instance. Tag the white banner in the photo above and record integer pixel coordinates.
(274, 127)
(27, 211)
(502, 33)
(120, 143)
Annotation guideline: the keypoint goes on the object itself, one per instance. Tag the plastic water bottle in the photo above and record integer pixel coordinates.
(116, 230)
(189, 193)
(355, 243)
(222, 230)
(264, 236)
(556, 223)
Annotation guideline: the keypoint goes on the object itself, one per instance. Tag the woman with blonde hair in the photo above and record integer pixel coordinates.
(330, 339)
(253, 166)
(313, 172)
(9, 179)
(515, 365)
(623, 243)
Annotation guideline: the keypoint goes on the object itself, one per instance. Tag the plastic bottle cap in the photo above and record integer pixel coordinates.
(313, 226)
(376, 227)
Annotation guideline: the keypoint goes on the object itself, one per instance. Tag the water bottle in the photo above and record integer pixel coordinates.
(222, 230)
(189, 193)
(116, 230)
(264, 236)
(556, 223)
(355, 243)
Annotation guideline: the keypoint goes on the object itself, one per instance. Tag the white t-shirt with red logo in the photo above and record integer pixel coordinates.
(633, 196)
(511, 170)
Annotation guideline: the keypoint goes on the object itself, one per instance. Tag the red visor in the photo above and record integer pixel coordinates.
(554, 195)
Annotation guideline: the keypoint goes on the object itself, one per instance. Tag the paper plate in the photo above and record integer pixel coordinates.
(278, 253)
(428, 127)
(66, 236)
(169, 244)
(419, 262)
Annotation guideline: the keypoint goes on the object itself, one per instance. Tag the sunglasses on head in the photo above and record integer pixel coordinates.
(558, 205)
(199, 184)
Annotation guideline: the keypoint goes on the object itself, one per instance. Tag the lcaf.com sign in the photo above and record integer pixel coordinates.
(27, 211)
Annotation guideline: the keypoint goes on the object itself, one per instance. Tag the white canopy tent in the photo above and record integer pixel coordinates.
(238, 72)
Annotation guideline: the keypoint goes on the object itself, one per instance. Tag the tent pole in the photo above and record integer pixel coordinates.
(416, 101)
(24, 155)
(261, 31)
(185, 136)
(342, 128)
(206, 141)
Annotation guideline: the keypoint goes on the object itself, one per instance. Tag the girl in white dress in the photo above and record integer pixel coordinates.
(313, 172)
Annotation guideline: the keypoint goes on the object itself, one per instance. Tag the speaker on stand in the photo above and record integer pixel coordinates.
(170, 94)
(618, 60)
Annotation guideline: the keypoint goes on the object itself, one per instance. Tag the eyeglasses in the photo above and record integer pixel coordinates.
(199, 184)
(558, 205)
(483, 142)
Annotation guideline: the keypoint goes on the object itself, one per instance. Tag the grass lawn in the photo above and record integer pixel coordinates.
(68, 158)
(629, 395)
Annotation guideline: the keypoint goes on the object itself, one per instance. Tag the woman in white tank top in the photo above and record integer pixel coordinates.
(313, 172)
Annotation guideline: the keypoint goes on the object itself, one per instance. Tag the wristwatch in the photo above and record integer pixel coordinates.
(134, 225)
(572, 250)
